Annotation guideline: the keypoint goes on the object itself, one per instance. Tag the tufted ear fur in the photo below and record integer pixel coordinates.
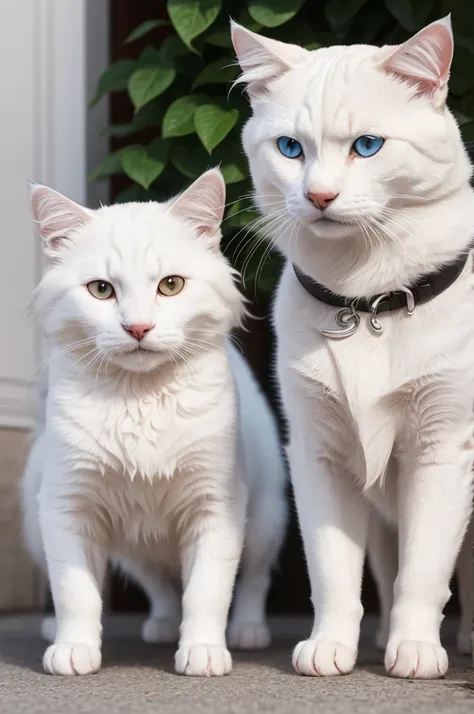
(262, 60)
(202, 205)
(425, 59)
(56, 216)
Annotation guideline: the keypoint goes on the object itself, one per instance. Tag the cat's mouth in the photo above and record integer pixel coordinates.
(328, 221)
(140, 350)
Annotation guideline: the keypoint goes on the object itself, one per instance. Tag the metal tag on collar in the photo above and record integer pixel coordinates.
(374, 322)
(348, 319)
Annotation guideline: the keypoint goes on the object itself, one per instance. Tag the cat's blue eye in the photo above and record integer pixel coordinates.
(367, 145)
(289, 147)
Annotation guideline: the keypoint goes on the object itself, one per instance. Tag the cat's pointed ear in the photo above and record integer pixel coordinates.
(425, 59)
(262, 59)
(202, 206)
(56, 216)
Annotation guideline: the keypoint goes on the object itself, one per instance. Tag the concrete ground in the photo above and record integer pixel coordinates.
(138, 678)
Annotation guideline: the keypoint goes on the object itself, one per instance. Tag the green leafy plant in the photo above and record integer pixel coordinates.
(179, 91)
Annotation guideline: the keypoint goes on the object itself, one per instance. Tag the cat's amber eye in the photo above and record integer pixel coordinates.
(171, 285)
(101, 289)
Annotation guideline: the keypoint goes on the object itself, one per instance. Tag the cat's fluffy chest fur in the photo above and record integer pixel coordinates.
(142, 425)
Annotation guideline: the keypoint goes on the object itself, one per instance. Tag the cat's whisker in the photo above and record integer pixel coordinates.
(254, 208)
(281, 227)
(250, 226)
(89, 364)
(271, 247)
(252, 229)
(410, 197)
(258, 241)
(366, 233)
(391, 213)
(101, 362)
(231, 336)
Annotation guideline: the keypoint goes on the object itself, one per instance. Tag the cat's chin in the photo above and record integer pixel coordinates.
(140, 360)
(326, 228)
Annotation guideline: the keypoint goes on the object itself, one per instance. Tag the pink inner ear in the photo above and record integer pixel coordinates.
(426, 58)
(55, 214)
(245, 45)
(47, 225)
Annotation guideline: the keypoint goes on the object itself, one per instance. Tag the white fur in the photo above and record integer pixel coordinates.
(149, 458)
(379, 424)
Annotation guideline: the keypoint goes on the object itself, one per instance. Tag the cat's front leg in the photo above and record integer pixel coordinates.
(76, 569)
(334, 521)
(211, 551)
(435, 491)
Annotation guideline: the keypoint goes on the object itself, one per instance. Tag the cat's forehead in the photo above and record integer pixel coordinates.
(136, 226)
(337, 89)
(137, 238)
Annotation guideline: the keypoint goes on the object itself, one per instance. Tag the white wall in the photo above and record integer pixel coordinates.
(51, 52)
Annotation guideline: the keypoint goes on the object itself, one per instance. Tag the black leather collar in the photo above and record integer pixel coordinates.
(422, 290)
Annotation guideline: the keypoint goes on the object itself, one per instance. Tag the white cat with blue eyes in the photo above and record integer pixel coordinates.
(354, 153)
(157, 445)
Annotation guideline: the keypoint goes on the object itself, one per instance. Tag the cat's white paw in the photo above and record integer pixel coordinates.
(203, 660)
(75, 658)
(164, 630)
(416, 660)
(463, 641)
(48, 628)
(248, 635)
(323, 658)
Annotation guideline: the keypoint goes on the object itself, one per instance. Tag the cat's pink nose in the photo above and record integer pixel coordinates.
(138, 331)
(321, 200)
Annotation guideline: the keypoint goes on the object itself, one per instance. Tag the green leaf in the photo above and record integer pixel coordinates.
(190, 163)
(145, 28)
(410, 15)
(147, 83)
(221, 71)
(114, 79)
(150, 115)
(172, 47)
(339, 12)
(461, 118)
(191, 18)
(220, 39)
(232, 162)
(108, 167)
(150, 55)
(272, 13)
(312, 46)
(213, 123)
(140, 166)
(160, 149)
(178, 120)
(244, 18)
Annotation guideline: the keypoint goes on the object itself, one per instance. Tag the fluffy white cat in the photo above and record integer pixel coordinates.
(360, 166)
(157, 443)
